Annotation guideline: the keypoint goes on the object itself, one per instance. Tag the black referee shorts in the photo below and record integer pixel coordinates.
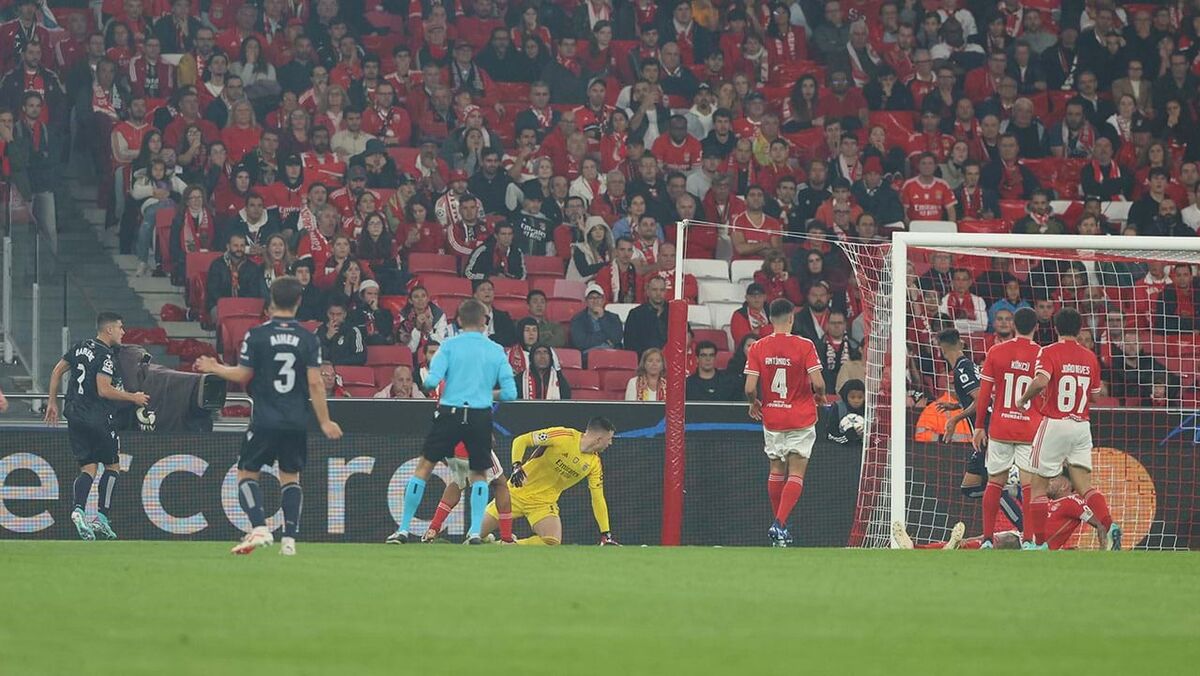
(92, 444)
(263, 448)
(454, 424)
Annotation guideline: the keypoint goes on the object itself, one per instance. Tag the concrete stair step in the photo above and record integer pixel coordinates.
(127, 262)
(151, 285)
(182, 330)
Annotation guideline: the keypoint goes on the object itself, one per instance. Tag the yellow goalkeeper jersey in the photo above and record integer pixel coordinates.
(553, 463)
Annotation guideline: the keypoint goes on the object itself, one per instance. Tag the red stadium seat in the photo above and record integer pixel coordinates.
(569, 288)
(515, 92)
(405, 158)
(446, 285)
(431, 262)
(589, 395)
(612, 359)
(389, 355)
(449, 305)
(569, 357)
(548, 265)
(357, 375)
(311, 325)
(562, 310)
(362, 391)
(231, 332)
(510, 288)
(393, 304)
(383, 375)
(1012, 211)
(582, 380)
(615, 380)
(717, 336)
(513, 306)
(723, 360)
(228, 308)
(542, 281)
(162, 232)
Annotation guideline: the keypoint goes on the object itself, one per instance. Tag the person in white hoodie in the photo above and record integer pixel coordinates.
(153, 188)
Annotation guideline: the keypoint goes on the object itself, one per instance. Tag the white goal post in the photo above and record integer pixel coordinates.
(1076, 247)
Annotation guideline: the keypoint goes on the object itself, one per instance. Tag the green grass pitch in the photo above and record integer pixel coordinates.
(191, 608)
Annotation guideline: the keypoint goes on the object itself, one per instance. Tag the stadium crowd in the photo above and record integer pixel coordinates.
(400, 157)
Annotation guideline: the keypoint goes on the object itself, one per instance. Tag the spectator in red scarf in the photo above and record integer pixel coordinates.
(1179, 303)
(967, 311)
(749, 319)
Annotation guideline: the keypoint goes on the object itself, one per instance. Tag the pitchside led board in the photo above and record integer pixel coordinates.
(183, 486)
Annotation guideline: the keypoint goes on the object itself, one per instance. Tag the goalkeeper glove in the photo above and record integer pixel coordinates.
(518, 476)
(606, 538)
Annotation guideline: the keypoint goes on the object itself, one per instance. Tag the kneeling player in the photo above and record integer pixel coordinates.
(546, 463)
(460, 478)
(274, 359)
(794, 386)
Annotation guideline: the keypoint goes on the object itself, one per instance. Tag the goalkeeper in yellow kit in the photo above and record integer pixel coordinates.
(547, 462)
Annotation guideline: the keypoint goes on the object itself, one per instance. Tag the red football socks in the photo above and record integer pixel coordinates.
(1038, 509)
(439, 517)
(1099, 506)
(791, 495)
(775, 489)
(991, 505)
(506, 526)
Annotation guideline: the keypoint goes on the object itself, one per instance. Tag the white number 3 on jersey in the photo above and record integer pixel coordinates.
(779, 384)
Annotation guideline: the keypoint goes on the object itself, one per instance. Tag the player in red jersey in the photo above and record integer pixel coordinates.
(795, 386)
(1066, 376)
(1007, 373)
(926, 197)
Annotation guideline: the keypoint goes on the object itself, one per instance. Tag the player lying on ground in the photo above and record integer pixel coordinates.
(1067, 512)
(273, 358)
(548, 462)
(474, 370)
(1003, 429)
(92, 393)
(1067, 374)
(795, 387)
(459, 477)
(965, 380)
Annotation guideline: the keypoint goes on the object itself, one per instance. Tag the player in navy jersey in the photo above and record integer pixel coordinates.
(965, 379)
(280, 360)
(93, 391)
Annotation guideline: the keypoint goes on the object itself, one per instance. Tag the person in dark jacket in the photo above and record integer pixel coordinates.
(845, 420)
(38, 164)
(341, 343)
(566, 75)
(233, 275)
(375, 322)
(500, 326)
(594, 327)
(1179, 303)
(502, 61)
(312, 301)
(497, 257)
(707, 383)
(541, 380)
(646, 325)
(875, 196)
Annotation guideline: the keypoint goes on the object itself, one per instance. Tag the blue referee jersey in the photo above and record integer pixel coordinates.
(472, 365)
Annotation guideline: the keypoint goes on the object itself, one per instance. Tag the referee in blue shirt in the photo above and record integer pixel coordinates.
(472, 367)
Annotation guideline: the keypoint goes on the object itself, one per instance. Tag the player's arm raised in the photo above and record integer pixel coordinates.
(60, 369)
(234, 374)
(316, 394)
(104, 388)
